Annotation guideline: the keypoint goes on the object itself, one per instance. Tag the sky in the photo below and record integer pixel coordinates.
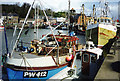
(62, 5)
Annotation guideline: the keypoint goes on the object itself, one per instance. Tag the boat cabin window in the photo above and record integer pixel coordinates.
(87, 46)
(79, 56)
(86, 58)
(101, 20)
(109, 20)
(91, 46)
(98, 20)
(93, 59)
(105, 20)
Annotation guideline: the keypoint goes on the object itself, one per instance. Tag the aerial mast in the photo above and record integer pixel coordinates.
(106, 8)
(93, 10)
(82, 15)
(83, 8)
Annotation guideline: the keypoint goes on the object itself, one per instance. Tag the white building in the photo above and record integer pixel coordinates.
(61, 19)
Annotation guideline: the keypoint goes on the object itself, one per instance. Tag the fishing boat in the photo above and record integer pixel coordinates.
(44, 58)
(42, 61)
(101, 29)
(81, 26)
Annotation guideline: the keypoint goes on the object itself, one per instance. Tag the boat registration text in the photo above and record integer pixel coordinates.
(37, 74)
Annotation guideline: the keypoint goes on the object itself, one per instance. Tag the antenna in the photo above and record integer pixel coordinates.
(83, 8)
(93, 10)
(106, 8)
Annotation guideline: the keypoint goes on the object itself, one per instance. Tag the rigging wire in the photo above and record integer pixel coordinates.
(53, 33)
(52, 29)
(49, 6)
(50, 51)
(49, 23)
(26, 62)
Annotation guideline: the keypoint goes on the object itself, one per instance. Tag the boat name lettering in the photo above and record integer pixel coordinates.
(37, 74)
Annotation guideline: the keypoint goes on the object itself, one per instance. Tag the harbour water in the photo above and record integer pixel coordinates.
(26, 38)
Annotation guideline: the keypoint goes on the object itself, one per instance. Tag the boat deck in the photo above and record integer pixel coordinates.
(18, 55)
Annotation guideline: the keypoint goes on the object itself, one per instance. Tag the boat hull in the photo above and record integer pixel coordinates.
(101, 35)
(32, 75)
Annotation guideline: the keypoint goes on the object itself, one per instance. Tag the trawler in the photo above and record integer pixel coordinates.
(43, 60)
(46, 61)
(101, 29)
(82, 20)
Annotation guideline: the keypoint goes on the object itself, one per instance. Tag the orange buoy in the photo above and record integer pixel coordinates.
(69, 58)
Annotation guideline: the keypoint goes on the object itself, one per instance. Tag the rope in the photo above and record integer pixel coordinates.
(29, 65)
(65, 78)
(25, 65)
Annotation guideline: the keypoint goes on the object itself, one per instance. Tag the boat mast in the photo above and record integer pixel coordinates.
(35, 24)
(82, 15)
(16, 42)
(83, 8)
(69, 14)
(101, 8)
(37, 20)
(106, 8)
(94, 14)
(6, 42)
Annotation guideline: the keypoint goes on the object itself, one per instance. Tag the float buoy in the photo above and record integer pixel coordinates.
(69, 58)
